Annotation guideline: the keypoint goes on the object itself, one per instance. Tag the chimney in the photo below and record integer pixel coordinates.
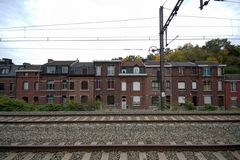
(50, 60)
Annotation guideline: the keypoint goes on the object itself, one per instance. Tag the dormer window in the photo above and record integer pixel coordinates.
(64, 69)
(124, 71)
(136, 70)
(51, 69)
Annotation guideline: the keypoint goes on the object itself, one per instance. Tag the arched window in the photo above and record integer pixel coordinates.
(136, 70)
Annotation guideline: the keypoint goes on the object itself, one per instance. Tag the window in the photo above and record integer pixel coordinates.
(220, 85)
(50, 99)
(5, 71)
(64, 69)
(181, 85)
(84, 99)
(36, 86)
(207, 85)
(51, 69)
(110, 84)
(136, 86)
(84, 85)
(206, 71)
(110, 70)
(98, 70)
(50, 85)
(124, 71)
(136, 100)
(84, 71)
(124, 86)
(110, 100)
(1, 86)
(35, 99)
(220, 71)
(64, 85)
(25, 86)
(25, 99)
(194, 70)
(64, 99)
(167, 71)
(234, 102)
(136, 70)
(98, 84)
(25, 74)
(207, 100)
(12, 87)
(181, 70)
(194, 85)
(72, 86)
(181, 100)
(155, 85)
(155, 101)
(167, 84)
(234, 86)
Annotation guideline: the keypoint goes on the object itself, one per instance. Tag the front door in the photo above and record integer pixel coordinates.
(124, 102)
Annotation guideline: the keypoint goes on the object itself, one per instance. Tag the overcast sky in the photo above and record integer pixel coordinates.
(36, 30)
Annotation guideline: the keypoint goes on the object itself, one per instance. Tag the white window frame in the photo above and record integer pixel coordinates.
(194, 85)
(124, 86)
(25, 86)
(181, 99)
(51, 69)
(98, 70)
(233, 86)
(136, 70)
(124, 71)
(220, 85)
(65, 69)
(207, 99)
(233, 99)
(181, 85)
(111, 70)
(136, 86)
(136, 100)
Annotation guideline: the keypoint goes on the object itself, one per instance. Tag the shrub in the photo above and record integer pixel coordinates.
(11, 104)
(209, 107)
(189, 105)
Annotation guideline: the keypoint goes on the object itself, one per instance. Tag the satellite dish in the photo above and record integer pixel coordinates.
(153, 50)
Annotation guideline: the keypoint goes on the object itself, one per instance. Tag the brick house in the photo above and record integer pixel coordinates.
(54, 82)
(107, 87)
(200, 82)
(232, 91)
(7, 78)
(28, 83)
(152, 85)
(81, 82)
(133, 83)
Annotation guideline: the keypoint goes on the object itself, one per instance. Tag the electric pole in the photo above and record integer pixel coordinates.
(161, 35)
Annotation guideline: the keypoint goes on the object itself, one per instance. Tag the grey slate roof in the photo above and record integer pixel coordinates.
(232, 77)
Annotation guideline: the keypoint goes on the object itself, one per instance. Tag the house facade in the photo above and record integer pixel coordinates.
(232, 91)
(118, 84)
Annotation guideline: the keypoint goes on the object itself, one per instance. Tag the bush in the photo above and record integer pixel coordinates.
(189, 106)
(174, 107)
(11, 104)
(209, 107)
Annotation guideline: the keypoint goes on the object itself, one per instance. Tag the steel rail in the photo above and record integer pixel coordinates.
(120, 147)
(119, 121)
(56, 114)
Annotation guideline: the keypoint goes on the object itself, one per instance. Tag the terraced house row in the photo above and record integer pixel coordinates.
(119, 84)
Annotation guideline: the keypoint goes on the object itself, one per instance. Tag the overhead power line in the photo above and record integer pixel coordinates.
(41, 27)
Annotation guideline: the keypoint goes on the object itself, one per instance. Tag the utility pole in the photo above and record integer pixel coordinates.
(161, 35)
(162, 29)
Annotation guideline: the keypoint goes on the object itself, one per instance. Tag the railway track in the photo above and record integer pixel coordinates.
(120, 118)
(122, 151)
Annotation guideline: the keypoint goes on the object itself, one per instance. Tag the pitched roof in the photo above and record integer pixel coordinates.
(59, 63)
(232, 77)
(132, 63)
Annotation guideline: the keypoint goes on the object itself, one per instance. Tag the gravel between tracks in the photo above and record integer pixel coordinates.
(132, 133)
